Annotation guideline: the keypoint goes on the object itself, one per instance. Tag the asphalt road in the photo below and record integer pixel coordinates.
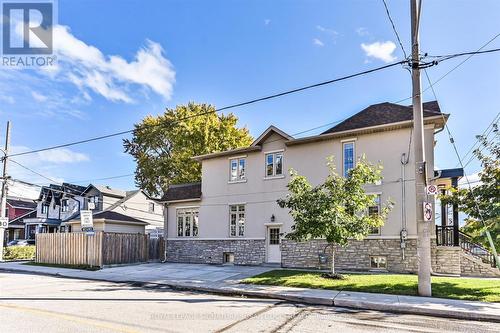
(34, 303)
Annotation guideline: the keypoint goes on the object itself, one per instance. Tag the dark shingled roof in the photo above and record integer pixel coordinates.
(183, 192)
(25, 204)
(381, 114)
(110, 215)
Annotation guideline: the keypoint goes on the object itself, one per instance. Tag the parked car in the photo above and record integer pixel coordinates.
(20, 242)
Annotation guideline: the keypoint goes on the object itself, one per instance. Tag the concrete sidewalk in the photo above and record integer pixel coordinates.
(225, 280)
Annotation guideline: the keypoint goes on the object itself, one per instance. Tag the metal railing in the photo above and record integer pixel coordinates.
(451, 236)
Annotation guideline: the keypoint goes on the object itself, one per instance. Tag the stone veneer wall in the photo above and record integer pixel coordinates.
(246, 251)
(471, 266)
(446, 260)
(355, 256)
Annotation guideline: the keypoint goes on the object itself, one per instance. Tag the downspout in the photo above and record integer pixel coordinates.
(404, 232)
(165, 231)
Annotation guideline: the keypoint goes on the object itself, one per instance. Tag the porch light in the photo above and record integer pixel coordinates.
(273, 218)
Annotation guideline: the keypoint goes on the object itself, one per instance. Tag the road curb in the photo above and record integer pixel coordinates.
(240, 291)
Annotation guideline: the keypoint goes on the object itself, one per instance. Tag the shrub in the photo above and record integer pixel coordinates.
(19, 252)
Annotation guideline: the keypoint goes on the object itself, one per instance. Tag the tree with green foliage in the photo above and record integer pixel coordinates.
(336, 210)
(163, 146)
(481, 201)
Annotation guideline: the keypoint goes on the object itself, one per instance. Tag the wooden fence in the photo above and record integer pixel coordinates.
(96, 250)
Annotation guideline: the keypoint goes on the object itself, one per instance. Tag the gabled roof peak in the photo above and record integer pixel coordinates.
(268, 132)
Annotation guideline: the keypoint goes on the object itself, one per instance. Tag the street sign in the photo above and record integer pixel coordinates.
(4, 222)
(427, 211)
(431, 189)
(86, 220)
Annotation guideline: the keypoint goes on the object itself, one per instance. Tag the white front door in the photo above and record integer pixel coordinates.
(273, 245)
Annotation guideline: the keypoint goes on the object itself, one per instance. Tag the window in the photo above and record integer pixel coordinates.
(151, 207)
(375, 210)
(274, 164)
(64, 205)
(237, 169)
(274, 236)
(237, 220)
(348, 157)
(187, 222)
(45, 208)
(93, 202)
(378, 262)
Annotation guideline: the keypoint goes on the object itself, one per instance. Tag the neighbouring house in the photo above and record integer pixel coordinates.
(55, 204)
(232, 215)
(135, 203)
(114, 210)
(111, 221)
(17, 210)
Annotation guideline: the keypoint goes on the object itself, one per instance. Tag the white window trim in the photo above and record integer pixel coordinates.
(237, 158)
(229, 220)
(379, 208)
(183, 226)
(349, 140)
(274, 176)
(353, 154)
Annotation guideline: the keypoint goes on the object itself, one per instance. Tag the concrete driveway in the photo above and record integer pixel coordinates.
(167, 273)
(193, 273)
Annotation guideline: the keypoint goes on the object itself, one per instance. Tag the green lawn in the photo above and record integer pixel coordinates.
(474, 289)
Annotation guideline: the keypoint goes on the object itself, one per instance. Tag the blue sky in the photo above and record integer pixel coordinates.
(122, 60)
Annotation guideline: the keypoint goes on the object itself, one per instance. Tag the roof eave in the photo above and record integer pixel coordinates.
(363, 130)
(200, 158)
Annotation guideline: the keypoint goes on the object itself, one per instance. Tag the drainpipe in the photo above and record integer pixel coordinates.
(404, 232)
(165, 231)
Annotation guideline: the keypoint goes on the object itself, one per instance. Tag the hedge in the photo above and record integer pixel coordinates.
(19, 252)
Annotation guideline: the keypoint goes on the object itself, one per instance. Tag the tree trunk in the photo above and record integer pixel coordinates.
(333, 259)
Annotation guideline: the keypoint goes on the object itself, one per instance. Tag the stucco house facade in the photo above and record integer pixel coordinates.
(232, 216)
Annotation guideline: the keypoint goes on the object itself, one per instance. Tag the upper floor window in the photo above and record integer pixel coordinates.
(237, 220)
(348, 157)
(64, 205)
(375, 210)
(93, 202)
(187, 222)
(151, 207)
(274, 164)
(237, 169)
(45, 208)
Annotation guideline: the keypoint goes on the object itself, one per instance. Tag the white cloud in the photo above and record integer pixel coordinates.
(7, 99)
(329, 31)
(62, 155)
(362, 32)
(380, 50)
(110, 76)
(38, 97)
(318, 42)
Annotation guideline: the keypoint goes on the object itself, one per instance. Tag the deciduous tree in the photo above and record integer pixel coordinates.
(336, 210)
(163, 146)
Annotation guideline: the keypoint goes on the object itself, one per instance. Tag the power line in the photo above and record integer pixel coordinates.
(288, 92)
(33, 171)
(394, 28)
(486, 133)
(452, 56)
(471, 188)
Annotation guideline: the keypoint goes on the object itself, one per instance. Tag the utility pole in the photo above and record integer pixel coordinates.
(4, 187)
(423, 227)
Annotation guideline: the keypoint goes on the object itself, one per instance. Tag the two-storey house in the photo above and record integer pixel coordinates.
(232, 216)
